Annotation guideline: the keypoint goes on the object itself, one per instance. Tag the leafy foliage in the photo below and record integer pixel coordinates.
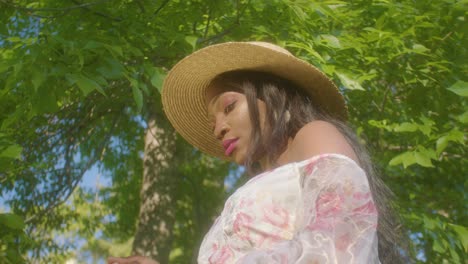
(80, 81)
(13, 240)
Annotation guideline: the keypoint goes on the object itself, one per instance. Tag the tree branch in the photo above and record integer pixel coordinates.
(384, 100)
(53, 9)
(160, 7)
(74, 182)
(118, 19)
(239, 14)
(207, 23)
(64, 10)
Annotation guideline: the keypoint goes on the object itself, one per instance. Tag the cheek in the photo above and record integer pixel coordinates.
(243, 118)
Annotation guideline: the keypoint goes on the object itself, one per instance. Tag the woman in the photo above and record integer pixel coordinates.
(315, 198)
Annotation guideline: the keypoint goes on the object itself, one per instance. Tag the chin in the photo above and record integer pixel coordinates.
(239, 162)
(239, 159)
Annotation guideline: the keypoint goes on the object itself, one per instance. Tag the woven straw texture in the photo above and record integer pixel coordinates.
(183, 93)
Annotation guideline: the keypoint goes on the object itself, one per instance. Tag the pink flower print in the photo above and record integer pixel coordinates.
(241, 225)
(329, 203)
(220, 255)
(276, 215)
(321, 224)
(343, 242)
(368, 208)
(328, 206)
(361, 195)
(245, 203)
(309, 168)
(268, 238)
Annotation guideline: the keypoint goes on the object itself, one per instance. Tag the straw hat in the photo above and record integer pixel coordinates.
(183, 93)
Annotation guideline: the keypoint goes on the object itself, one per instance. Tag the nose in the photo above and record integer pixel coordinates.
(221, 129)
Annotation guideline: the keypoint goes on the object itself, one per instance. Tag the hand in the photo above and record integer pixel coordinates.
(131, 260)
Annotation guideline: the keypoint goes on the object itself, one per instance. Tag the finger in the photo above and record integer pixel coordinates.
(126, 260)
(112, 260)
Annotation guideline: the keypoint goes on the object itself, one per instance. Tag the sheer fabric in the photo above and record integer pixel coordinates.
(315, 211)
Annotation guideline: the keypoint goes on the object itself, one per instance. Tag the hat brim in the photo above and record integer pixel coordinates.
(183, 93)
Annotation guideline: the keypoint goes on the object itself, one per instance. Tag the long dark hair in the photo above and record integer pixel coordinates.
(288, 109)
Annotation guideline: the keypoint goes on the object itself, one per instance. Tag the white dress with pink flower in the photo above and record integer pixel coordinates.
(318, 210)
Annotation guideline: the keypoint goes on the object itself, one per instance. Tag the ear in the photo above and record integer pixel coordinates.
(319, 137)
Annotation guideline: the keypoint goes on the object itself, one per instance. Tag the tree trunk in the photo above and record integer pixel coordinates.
(154, 237)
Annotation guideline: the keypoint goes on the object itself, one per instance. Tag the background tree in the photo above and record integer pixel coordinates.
(80, 91)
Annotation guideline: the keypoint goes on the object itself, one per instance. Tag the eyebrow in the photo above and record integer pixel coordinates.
(210, 103)
(216, 97)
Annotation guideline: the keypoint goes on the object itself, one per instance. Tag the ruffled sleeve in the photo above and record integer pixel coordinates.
(337, 217)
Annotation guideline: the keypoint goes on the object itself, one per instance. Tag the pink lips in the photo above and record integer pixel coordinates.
(229, 145)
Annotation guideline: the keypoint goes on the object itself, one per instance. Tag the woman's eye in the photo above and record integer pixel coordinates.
(229, 107)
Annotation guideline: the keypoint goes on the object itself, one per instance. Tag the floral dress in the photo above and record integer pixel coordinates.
(318, 210)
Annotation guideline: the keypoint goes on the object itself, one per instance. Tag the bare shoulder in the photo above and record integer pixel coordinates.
(319, 137)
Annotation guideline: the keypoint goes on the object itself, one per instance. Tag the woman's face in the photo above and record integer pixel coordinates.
(230, 119)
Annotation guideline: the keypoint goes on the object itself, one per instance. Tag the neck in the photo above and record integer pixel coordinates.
(280, 161)
(265, 164)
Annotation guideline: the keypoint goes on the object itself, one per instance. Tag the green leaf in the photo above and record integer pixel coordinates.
(114, 49)
(157, 78)
(100, 80)
(13, 152)
(87, 85)
(175, 253)
(37, 78)
(299, 12)
(463, 117)
(14, 39)
(92, 45)
(371, 59)
(138, 97)
(453, 254)
(418, 48)
(348, 82)
(423, 158)
(112, 69)
(4, 65)
(406, 158)
(309, 49)
(45, 101)
(192, 40)
(441, 144)
(460, 88)
(457, 135)
(462, 233)
(12, 221)
(380, 124)
(331, 41)
(429, 224)
(454, 135)
(438, 246)
(426, 126)
(144, 88)
(406, 127)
